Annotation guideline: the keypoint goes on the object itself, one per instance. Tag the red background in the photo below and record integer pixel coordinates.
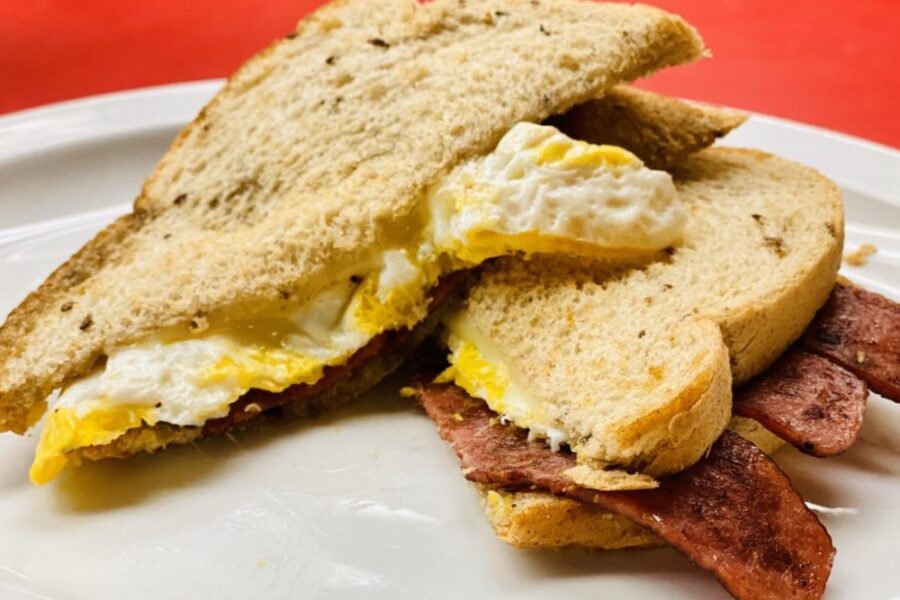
(832, 63)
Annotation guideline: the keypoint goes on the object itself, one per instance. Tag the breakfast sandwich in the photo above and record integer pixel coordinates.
(628, 321)
(300, 236)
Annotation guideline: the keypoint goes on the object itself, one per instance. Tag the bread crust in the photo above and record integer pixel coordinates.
(614, 353)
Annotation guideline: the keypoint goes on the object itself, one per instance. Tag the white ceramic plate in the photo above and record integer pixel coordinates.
(366, 503)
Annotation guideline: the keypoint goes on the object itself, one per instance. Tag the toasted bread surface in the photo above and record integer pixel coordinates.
(315, 154)
(540, 520)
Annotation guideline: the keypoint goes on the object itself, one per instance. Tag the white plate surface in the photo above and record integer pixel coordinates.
(366, 503)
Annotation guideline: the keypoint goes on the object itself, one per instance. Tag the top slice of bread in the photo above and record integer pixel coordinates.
(629, 360)
(314, 155)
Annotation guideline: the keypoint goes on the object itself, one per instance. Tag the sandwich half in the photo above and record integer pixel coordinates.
(570, 406)
(733, 512)
(632, 366)
(295, 237)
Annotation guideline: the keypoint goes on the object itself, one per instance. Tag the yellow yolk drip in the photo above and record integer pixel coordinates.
(65, 432)
(478, 367)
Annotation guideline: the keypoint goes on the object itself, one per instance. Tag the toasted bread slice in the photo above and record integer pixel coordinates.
(761, 257)
(313, 156)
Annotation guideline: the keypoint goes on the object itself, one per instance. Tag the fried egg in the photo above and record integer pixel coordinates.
(538, 191)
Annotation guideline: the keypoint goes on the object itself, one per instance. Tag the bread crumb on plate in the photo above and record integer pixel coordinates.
(860, 256)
